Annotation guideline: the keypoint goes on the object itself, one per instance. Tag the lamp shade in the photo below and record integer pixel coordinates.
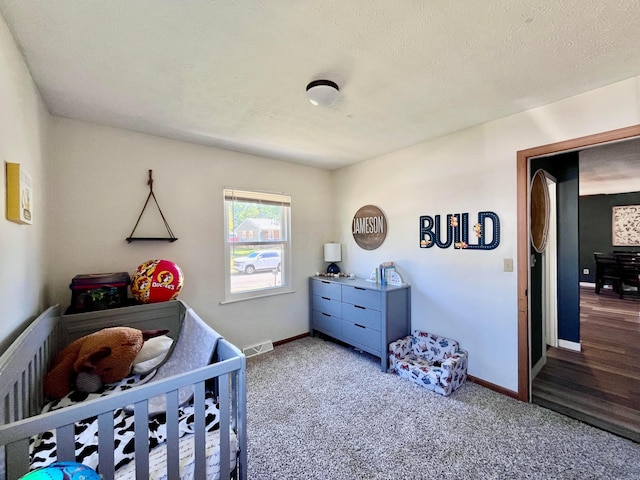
(332, 252)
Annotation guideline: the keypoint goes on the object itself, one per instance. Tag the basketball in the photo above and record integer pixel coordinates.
(157, 281)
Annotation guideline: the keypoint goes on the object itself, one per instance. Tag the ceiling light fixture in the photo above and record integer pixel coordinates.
(322, 93)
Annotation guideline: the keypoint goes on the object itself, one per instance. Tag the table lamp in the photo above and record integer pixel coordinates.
(332, 253)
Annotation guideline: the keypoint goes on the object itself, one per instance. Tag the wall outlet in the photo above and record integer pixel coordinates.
(508, 264)
(585, 271)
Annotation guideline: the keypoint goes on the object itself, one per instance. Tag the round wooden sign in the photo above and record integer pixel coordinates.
(539, 211)
(369, 227)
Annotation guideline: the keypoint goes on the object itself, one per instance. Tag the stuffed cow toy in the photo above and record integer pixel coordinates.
(105, 356)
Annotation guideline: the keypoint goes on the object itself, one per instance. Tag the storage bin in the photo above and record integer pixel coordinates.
(98, 291)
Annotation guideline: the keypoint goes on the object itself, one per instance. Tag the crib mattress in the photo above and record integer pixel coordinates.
(158, 459)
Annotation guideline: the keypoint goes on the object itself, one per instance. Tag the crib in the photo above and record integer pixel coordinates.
(180, 455)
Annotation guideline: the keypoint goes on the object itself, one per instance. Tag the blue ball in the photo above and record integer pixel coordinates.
(63, 470)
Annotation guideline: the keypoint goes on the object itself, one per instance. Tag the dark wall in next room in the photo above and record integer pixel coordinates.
(565, 169)
(596, 228)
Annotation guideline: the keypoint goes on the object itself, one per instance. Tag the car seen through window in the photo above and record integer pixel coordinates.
(258, 261)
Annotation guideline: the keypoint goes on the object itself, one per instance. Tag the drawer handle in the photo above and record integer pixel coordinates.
(361, 326)
(326, 314)
(358, 306)
(323, 281)
(359, 288)
(325, 298)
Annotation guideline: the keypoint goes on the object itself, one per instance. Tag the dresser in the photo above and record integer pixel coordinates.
(363, 314)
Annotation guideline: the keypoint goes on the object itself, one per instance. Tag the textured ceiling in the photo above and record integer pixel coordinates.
(233, 73)
(611, 168)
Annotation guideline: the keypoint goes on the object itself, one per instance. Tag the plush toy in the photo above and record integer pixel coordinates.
(105, 356)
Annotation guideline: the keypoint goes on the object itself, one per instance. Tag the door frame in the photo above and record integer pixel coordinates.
(550, 326)
(522, 234)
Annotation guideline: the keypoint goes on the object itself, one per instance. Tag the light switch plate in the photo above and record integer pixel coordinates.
(508, 264)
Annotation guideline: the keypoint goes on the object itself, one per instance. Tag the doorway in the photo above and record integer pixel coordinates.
(543, 295)
(522, 171)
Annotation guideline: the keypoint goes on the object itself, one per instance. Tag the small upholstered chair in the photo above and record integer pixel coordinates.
(434, 362)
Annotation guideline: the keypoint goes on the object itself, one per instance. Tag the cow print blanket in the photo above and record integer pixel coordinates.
(42, 447)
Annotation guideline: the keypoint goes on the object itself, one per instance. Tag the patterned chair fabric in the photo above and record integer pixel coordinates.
(434, 362)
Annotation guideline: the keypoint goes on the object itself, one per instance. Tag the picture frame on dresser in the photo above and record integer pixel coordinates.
(362, 314)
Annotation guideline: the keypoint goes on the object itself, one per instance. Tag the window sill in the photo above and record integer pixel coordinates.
(254, 297)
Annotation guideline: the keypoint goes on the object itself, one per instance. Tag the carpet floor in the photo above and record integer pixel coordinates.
(320, 410)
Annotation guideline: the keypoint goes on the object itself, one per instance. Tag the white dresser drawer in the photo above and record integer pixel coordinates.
(361, 296)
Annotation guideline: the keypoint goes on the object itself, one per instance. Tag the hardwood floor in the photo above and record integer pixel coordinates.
(601, 384)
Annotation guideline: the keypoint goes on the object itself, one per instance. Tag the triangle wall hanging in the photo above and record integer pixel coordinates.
(170, 238)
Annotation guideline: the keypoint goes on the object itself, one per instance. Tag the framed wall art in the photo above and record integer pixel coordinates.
(625, 226)
(19, 194)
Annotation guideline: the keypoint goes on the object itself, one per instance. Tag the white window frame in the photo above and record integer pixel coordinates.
(268, 198)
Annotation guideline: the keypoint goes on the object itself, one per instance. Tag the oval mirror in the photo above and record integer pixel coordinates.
(539, 211)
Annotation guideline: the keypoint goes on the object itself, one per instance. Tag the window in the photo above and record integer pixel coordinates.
(257, 244)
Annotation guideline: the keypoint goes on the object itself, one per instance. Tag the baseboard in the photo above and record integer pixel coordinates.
(566, 344)
(290, 339)
(494, 387)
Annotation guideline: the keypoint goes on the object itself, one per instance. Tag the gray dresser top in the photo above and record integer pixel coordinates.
(360, 283)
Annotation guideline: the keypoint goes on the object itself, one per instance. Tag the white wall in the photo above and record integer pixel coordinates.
(23, 130)
(100, 177)
(466, 294)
